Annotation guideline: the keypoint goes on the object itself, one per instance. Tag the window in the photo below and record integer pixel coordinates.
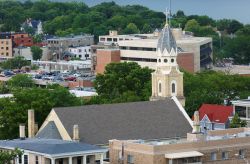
(7, 54)
(165, 60)
(7, 48)
(130, 159)
(159, 60)
(173, 87)
(172, 60)
(26, 161)
(242, 153)
(213, 156)
(224, 155)
(109, 39)
(241, 111)
(79, 160)
(159, 87)
(37, 160)
(115, 39)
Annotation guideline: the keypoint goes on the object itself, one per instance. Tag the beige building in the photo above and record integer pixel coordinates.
(6, 48)
(231, 146)
(141, 48)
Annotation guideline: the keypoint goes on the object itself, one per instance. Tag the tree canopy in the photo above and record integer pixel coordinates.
(7, 156)
(124, 82)
(37, 52)
(13, 111)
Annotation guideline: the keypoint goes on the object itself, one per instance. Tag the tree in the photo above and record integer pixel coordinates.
(179, 13)
(7, 156)
(131, 29)
(21, 81)
(13, 111)
(146, 29)
(15, 63)
(122, 82)
(237, 122)
(192, 26)
(37, 52)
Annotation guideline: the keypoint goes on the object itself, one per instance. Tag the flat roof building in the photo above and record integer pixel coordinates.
(141, 48)
(229, 146)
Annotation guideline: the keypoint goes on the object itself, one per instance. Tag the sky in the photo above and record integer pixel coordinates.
(217, 9)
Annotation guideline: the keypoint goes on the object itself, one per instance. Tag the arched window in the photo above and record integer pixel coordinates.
(173, 88)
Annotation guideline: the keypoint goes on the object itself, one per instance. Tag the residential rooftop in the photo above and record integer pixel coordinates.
(50, 147)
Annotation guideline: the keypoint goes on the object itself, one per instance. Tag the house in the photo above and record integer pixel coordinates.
(214, 117)
(36, 25)
(148, 120)
(52, 151)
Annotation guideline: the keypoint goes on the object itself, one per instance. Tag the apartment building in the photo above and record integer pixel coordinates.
(59, 46)
(5, 48)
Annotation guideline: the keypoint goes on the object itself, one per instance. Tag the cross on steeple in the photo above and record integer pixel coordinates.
(167, 16)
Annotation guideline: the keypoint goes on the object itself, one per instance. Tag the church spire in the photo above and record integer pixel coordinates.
(166, 40)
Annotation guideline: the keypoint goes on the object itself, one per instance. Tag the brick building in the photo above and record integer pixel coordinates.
(185, 60)
(104, 57)
(22, 39)
(231, 146)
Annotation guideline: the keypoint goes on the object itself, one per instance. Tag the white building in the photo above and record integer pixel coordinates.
(84, 53)
(27, 54)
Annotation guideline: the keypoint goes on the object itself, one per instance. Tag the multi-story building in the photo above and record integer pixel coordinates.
(230, 146)
(141, 48)
(60, 45)
(83, 53)
(22, 39)
(5, 46)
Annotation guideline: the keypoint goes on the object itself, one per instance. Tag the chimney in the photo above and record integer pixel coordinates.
(36, 128)
(76, 133)
(196, 134)
(196, 123)
(31, 123)
(22, 131)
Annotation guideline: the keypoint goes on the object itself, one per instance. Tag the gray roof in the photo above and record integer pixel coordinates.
(50, 146)
(50, 132)
(166, 40)
(137, 120)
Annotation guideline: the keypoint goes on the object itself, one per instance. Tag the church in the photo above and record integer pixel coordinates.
(149, 120)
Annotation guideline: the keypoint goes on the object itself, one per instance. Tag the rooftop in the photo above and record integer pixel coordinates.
(211, 136)
(50, 147)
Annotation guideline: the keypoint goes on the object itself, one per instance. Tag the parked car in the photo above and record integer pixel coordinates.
(70, 78)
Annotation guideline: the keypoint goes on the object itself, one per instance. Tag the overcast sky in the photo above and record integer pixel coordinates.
(235, 9)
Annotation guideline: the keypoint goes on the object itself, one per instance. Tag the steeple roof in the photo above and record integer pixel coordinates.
(166, 40)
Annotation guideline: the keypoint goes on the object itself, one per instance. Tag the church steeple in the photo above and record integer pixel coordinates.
(167, 80)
